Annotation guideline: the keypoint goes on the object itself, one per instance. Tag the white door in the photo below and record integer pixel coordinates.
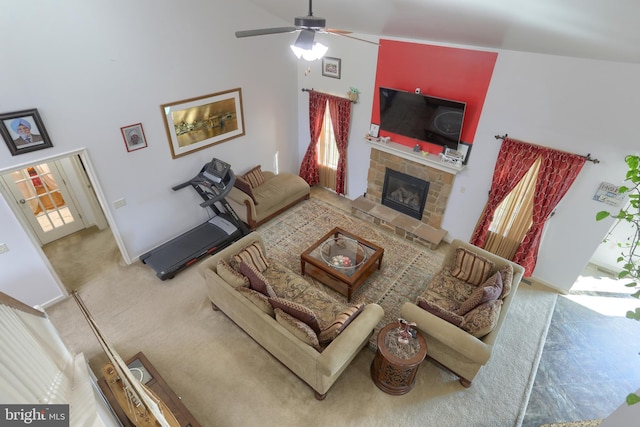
(45, 201)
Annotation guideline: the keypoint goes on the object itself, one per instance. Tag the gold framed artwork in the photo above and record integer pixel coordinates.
(197, 123)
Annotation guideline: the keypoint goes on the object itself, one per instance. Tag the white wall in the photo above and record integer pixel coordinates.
(577, 105)
(91, 68)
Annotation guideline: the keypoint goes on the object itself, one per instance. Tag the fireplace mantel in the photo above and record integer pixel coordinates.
(432, 160)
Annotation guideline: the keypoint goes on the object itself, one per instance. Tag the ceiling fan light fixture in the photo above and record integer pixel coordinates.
(316, 52)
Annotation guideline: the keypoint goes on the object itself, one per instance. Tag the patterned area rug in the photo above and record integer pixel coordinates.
(406, 269)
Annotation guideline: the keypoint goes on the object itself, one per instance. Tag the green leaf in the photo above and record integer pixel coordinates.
(602, 215)
(632, 399)
(634, 314)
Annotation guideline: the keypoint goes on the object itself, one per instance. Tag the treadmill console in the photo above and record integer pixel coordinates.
(217, 170)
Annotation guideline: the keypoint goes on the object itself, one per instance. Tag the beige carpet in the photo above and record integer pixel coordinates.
(83, 256)
(589, 423)
(226, 379)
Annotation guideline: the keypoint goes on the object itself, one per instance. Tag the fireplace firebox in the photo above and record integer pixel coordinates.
(404, 193)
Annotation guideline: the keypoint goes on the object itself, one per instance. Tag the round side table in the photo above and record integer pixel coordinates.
(395, 366)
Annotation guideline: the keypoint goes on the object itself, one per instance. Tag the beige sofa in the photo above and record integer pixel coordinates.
(277, 193)
(452, 346)
(319, 368)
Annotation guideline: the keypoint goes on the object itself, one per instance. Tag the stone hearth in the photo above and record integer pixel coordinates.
(399, 223)
(426, 230)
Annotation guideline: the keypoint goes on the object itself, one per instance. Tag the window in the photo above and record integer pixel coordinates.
(327, 153)
(513, 217)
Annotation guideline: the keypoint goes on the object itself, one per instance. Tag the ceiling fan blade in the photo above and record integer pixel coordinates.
(336, 31)
(265, 31)
(345, 34)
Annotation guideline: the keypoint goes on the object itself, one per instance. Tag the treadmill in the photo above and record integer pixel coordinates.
(213, 183)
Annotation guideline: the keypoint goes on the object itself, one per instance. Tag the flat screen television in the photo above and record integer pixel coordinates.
(425, 118)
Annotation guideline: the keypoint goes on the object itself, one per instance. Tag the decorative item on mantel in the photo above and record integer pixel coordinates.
(353, 94)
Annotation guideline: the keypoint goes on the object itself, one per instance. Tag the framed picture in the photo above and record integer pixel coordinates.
(23, 132)
(465, 149)
(374, 130)
(331, 67)
(133, 136)
(197, 123)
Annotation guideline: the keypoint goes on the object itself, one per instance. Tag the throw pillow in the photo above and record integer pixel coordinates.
(507, 280)
(257, 281)
(244, 186)
(482, 319)
(230, 275)
(490, 290)
(254, 177)
(298, 311)
(260, 300)
(252, 255)
(436, 310)
(470, 267)
(341, 321)
(299, 329)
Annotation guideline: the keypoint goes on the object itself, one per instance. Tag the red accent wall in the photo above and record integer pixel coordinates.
(444, 72)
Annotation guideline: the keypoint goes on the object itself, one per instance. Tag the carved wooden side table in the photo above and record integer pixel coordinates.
(395, 366)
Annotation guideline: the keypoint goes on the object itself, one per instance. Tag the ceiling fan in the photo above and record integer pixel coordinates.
(308, 26)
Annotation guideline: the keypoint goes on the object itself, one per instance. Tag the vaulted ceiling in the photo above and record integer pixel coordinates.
(596, 29)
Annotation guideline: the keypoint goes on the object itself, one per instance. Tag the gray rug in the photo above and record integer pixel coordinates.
(226, 379)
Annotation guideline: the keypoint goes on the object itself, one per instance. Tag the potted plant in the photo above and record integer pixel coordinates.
(629, 258)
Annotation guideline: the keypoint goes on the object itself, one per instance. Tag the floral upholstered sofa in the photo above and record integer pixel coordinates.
(310, 332)
(463, 308)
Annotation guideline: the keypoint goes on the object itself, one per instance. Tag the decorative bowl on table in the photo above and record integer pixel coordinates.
(344, 254)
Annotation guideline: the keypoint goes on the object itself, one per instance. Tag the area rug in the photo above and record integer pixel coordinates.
(226, 379)
(407, 267)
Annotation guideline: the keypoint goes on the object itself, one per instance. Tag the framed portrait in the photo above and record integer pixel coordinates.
(465, 149)
(24, 132)
(197, 123)
(374, 130)
(133, 136)
(331, 67)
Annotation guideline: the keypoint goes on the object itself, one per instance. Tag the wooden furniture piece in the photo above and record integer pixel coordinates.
(395, 366)
(140, 365)
(324, 261)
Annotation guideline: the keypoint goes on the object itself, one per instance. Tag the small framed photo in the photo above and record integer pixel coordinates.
(465, 149)
(331, 67)
(133, 136)
(374, 130)
(23, 132)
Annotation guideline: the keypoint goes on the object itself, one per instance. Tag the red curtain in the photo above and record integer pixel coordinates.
(558, 171)
(514, 160)
(309, 166)
(340, 110)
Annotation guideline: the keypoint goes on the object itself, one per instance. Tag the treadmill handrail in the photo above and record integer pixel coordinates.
(227, 188)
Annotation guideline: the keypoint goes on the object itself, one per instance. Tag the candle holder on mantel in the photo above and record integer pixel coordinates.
(405, 332)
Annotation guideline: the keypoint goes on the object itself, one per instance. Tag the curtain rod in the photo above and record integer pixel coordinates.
(587, 157)
(309, 90)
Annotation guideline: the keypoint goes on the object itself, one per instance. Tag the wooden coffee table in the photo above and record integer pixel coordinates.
(341, 260)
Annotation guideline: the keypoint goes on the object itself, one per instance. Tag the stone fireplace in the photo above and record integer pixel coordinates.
(423, 227)
(404, 193)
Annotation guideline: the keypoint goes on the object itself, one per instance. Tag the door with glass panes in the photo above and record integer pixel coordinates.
(43, 197)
